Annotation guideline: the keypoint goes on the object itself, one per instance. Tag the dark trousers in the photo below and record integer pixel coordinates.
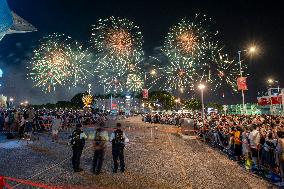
(77, 152)
(98, 160)
(118, 154)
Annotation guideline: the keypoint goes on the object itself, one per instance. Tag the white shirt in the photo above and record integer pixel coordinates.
(83, 136)
(254, 138)
(112, 136)
(23, 121)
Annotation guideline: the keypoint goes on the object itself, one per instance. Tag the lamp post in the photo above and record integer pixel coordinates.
(11, 101)
(250, 50)
(177, 101)
(271, 81)
(202, 87)
(152, 72)
(104, 101)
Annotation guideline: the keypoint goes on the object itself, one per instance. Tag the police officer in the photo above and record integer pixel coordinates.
(118, 140)
(100, 140)
(78, 138)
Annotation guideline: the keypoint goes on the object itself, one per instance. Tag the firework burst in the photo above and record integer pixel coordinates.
(116, 37)
(57, 62)
(188, 38)
(195, 56)
(81, 64)
(225, 72)
(87, 100)
(177, 75)
(118, 43)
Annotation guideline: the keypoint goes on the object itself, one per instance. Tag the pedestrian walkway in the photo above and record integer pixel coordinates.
(153, 160)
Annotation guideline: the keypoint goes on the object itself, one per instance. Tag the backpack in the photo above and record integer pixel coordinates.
(118, 140)
(98, 137)
(99, 140)
(75, 139)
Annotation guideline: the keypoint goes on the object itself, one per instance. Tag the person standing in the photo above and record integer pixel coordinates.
(254, 139)
(56, 123)
(118, 139)
(78, 138)
(22, 126)
(30, 119)
(280, 156)
(2, 121)
(6, 122)
(100, 140)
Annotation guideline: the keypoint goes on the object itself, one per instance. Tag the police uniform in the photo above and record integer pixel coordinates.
(100, 139)
(118, 148)
(78, 138)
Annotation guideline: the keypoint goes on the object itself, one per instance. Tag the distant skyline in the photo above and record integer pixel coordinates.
(239, 23)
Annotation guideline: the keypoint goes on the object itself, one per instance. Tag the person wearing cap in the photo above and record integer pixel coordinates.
(78, 138)
(100, 140)
(118, 139)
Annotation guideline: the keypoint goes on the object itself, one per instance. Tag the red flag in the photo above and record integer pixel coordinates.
(263, 101)
(145, 93)
(242, 83)
(276, 99)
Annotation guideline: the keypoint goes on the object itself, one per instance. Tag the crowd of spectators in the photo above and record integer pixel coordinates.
(27, 121)
(255, 141)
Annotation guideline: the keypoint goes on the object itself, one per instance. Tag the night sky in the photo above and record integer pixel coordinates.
(239, 23)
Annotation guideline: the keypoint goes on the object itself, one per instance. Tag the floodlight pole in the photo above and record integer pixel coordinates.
(241, 74)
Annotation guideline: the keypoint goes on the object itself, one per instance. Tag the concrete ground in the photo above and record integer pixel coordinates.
(154, 159)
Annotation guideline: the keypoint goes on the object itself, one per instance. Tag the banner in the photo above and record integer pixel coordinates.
(263, 101)
(145, 93)
(266, 100)
(242, 83)
(276, 99)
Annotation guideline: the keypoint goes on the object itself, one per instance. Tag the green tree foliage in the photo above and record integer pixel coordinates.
(77, 100)
(193, 104)
(165, 98)
(215, 105)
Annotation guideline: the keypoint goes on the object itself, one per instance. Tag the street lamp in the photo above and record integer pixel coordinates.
(177, 101)
(271, 81)
(202, 87)
(152, 72)
(250, 50)
(11, 101)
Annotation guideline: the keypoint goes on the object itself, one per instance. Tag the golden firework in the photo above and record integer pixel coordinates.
(87, 100)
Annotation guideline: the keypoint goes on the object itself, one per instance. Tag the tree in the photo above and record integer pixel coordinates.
(66, 104)
(165, 98)
(193, 104)
(215, 105)
(77, 100)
